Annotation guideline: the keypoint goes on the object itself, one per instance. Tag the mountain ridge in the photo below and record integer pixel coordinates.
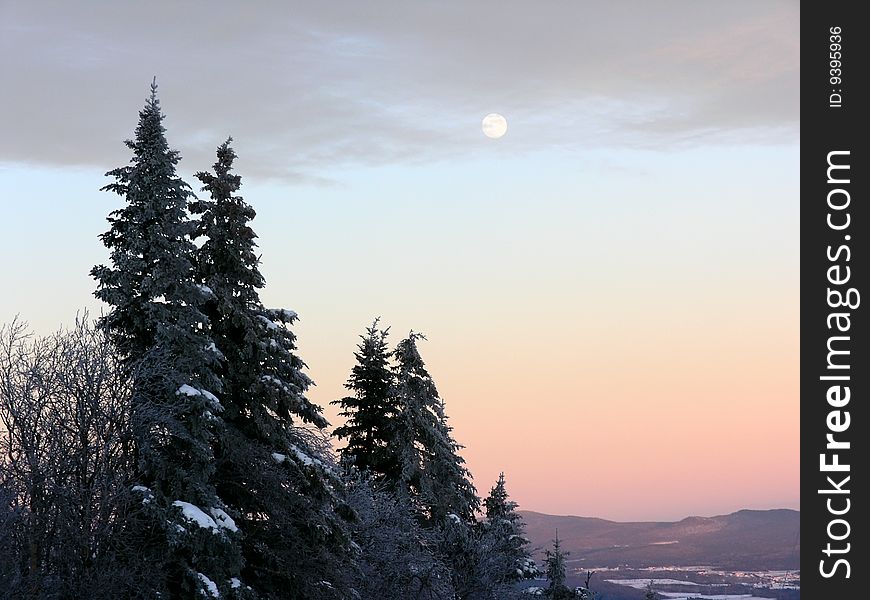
(746, 539)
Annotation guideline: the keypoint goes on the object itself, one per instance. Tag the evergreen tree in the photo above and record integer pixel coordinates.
(189, 542)
(432, 476)
(371, 408)
(504, 534)
(269, 471)
(431, 471)
(555, 562)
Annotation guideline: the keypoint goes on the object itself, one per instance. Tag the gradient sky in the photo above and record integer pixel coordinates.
(610, 291)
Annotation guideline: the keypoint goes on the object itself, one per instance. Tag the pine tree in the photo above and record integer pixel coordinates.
(190, 543)
(504, 534)
(556, 575)
(371, 408)
(269, 472)
(432, 476)
(431, 471)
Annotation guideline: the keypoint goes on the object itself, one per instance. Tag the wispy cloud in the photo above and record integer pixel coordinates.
(308, 89)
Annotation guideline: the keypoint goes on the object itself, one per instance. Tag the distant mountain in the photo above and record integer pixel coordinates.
(744, 540)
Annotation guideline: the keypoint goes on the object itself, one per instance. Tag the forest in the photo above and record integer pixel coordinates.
(167, 449)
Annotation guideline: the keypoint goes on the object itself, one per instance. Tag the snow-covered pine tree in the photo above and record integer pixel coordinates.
(371, 408)
(504, 536)
(180, 539)
(276, 484)
(431, 470)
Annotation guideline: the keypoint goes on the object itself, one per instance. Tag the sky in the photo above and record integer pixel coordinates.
(609, 291)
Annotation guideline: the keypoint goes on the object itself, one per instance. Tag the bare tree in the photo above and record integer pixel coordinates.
(65, 462)
(396, 557)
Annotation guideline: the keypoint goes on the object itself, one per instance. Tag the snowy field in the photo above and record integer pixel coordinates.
(658, 584)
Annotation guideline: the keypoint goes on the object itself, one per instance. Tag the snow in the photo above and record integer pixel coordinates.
(270, 324)
(212, 348)
(223, 519)
(696, 596)
(300, 456)
(146, 499)
(206, 291)
(306, 460)
(195, 514)
(287, 315)
(189, 390)
(640, 584)
(277, 382)
(454, 518)
(235, 583)
(209, 585)
(212, 398)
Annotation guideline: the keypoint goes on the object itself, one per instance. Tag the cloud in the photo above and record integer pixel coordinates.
(308, 89)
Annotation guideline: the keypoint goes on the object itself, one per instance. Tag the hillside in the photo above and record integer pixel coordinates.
(745, 540)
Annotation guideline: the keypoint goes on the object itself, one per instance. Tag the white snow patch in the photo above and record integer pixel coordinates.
(195, 514)
(696, 596)
(147, 494)
(188, 390)
(270, 324)
(306, 460)
(223, 519)
(286, 314)
(205, 289)
(454, 518)
(278, 457)
(640, 584)
(213, 399)
(210, 586)
(235, 583)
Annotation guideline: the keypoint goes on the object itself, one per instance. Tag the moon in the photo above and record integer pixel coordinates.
(494, 126)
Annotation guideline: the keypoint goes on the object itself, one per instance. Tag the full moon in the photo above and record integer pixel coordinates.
(494, 125)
